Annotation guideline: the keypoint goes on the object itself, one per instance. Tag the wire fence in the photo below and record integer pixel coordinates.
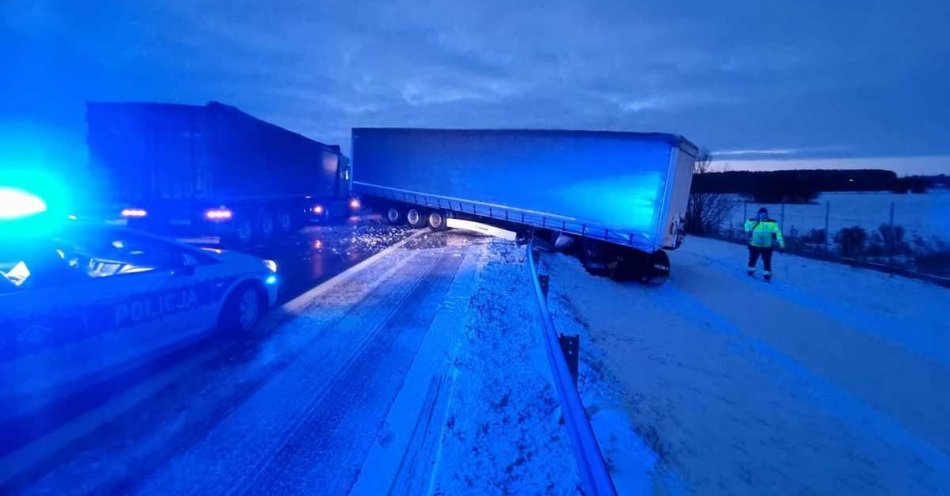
(908, 234)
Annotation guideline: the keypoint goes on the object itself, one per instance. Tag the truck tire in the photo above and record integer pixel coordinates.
(285, 221)
(331, 217)
(415, 218)
(634, 265)
(243, 310)
(265, 224)
(436, 220)
(394, 216)
(594, 256)
(243, 233)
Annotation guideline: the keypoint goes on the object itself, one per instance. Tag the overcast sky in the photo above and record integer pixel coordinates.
(846, 82)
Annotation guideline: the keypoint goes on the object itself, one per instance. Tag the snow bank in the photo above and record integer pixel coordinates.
(503, 433)
(630, 460)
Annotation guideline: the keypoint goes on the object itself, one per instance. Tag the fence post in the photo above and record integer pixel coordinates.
(827, 215)
(745, 208)
(893, 237)
(783, 216)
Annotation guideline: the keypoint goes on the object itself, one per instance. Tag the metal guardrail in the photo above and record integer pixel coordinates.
(595, 478)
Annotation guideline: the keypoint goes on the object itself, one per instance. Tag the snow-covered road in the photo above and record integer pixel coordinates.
(830, 380)
(295, 413)
(417, 371)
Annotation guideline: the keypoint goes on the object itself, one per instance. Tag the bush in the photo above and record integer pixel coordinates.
(851, 241)
(932, 256)
(892, 239)
(705, 213)
(815, 237)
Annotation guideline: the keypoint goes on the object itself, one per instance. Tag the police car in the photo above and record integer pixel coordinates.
(81, 302)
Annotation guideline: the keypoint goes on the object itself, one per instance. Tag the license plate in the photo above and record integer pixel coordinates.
(180, 222)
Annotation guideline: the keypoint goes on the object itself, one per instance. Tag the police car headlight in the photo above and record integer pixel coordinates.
(271, 265)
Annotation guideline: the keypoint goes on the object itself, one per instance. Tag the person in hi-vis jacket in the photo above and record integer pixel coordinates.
(764, 236)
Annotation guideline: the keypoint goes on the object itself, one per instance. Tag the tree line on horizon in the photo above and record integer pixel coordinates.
(803, 186)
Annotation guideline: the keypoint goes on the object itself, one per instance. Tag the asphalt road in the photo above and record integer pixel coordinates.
(317, 253)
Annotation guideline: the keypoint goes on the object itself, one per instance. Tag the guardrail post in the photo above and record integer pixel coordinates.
(570, 347)
(545, 281)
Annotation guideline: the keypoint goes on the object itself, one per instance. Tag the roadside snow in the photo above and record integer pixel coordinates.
(503, 433)
(630, 461)
(830, 380)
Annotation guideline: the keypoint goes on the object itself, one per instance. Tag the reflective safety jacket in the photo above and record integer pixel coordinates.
(764, 233)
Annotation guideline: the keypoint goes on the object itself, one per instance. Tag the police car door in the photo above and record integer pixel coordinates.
(172, 305)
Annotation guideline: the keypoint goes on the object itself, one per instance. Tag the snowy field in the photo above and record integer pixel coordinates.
(925, 215)
(830, 380)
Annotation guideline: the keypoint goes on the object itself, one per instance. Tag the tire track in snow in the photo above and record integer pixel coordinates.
(339, 427)
(731, 413)
(255, 428)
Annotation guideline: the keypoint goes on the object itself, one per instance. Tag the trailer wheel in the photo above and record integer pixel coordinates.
(648, 268)
(659, 269)
(394, 216)
(415, 218)
(594, 256)
(436, 220)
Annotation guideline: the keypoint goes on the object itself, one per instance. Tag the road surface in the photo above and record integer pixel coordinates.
(289, 410)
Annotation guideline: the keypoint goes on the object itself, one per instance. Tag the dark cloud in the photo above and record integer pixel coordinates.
(798, 79)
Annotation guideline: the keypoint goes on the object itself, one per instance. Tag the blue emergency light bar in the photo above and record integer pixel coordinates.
(18, 204)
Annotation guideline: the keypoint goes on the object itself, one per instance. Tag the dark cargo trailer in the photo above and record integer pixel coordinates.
(621, 195)
(212, 170)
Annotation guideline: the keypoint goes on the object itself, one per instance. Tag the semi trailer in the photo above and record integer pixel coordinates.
(212, 170)
(618, 197)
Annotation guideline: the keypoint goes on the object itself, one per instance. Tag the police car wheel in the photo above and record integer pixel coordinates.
(243, 310)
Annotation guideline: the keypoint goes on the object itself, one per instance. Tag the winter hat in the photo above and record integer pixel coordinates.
(764, 210)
